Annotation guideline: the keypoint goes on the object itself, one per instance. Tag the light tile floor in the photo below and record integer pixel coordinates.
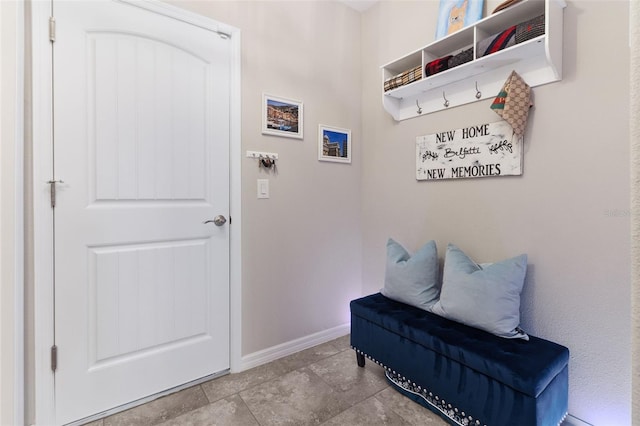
(319, 386)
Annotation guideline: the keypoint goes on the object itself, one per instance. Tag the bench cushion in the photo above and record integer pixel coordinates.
(527, 367)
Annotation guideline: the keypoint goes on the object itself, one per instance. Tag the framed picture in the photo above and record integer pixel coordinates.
(334, 144)
(282, 117)
(454, 15)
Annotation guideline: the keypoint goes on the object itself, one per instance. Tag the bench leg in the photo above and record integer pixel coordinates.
(360, 359)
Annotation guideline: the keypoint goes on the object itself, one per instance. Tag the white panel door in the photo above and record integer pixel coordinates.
(141, 143)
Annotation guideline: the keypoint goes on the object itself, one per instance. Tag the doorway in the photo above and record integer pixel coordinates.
(142, 123)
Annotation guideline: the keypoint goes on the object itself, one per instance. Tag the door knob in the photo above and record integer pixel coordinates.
(218, 220)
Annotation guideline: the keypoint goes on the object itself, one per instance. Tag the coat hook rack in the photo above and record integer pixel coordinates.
(446, 102)
(478, 93)
(266, 160)
(419, 110)
(260, 155)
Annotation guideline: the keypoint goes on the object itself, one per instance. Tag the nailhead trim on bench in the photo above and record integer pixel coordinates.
(457, 416)
(453, 413)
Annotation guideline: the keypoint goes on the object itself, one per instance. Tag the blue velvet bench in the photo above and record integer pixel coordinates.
(466, 375)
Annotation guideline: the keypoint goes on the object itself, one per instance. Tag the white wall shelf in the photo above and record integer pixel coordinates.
(538, 61)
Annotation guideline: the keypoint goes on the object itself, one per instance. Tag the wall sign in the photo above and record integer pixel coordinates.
(484, 150)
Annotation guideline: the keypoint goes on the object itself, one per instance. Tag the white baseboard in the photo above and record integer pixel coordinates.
(275, 352)
(574, 421)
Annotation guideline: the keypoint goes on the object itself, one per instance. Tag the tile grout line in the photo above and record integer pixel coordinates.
(279, 376)
(249, 408)
(308, 359)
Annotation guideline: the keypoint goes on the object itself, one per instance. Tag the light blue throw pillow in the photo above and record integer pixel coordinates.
(483, 296)
(412, 279)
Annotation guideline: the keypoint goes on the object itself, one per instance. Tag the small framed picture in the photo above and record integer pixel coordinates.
(334, 144)
(454, 15)
(282, 117)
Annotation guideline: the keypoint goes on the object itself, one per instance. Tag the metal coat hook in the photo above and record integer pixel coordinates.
(260, 155)
(419, 109)
(478, 93)
(446, 102)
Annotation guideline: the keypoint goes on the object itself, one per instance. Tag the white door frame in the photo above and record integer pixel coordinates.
(12, 213)
(43, 172)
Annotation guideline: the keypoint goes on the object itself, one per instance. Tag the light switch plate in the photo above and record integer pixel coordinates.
(263, 188)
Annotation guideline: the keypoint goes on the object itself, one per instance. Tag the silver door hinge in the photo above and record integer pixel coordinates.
(54, 358)
(52, 183)
(52, 29)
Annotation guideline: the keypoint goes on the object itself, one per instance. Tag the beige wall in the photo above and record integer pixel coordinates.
(300, 248)
(634, 126)
(569, 210)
